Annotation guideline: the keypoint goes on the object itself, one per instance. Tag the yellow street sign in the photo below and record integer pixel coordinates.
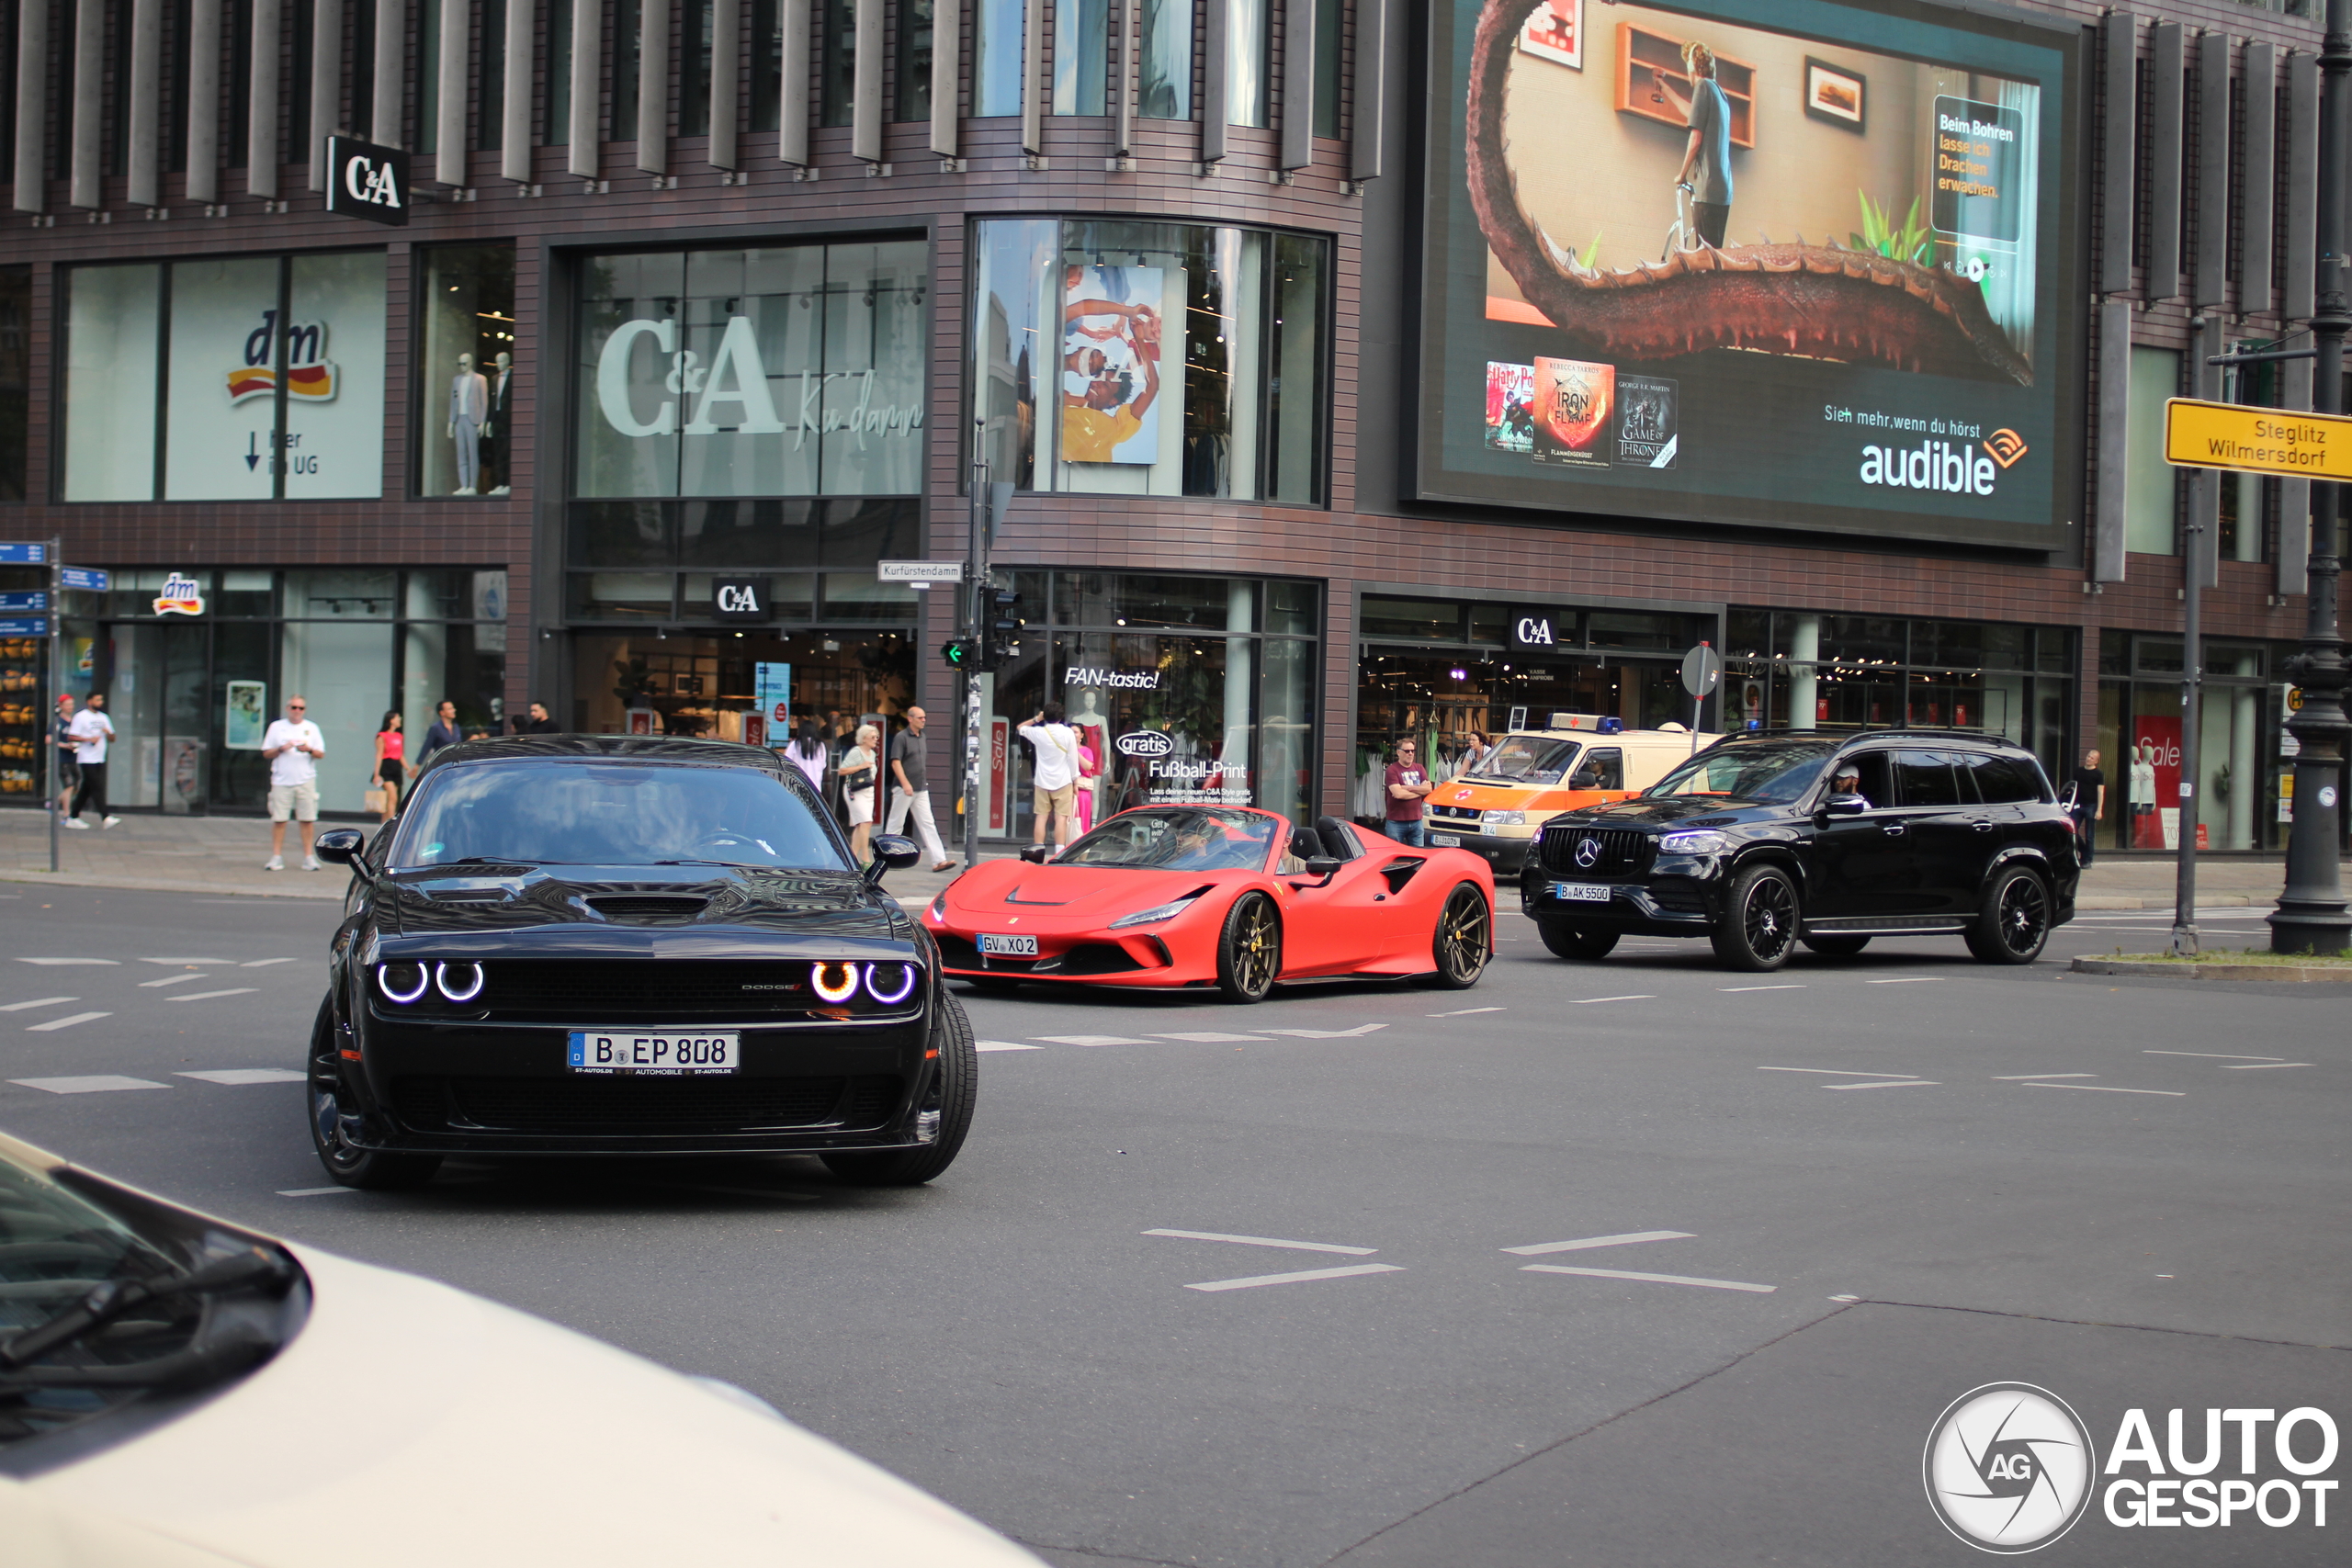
(2257, 441)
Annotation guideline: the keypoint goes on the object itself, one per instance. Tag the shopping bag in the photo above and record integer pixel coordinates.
(378, 798)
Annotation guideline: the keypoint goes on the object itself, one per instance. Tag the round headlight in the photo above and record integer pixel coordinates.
(890, 990)
(459, 982)
(402, 983)
(833, 982)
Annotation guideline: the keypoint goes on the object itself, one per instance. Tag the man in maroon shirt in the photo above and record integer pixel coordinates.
(1408, 782)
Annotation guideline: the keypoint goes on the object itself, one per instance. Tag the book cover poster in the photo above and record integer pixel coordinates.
(1647, 437)
(1510, 406)
(1574, 400)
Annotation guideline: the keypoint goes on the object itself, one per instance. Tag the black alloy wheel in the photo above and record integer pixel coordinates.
(1760, 925)
(1577, 941)
(1463, 941)
(954, 1090)
(1249, 949)
(1835, 946)
(335, 1121)
(2013, 924)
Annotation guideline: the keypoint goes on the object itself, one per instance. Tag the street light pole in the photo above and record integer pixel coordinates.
(975, 629)
(2311, 916)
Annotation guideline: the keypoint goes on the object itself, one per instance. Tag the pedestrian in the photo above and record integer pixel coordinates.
(858, 773)
(69, 772)
(1408, 784)
(1056, 780)
(293, 746)
(92, 732)
(2089, 787)
(808, 754)
(539, 723)
(914, 789)
(442, 732)
(391, 770)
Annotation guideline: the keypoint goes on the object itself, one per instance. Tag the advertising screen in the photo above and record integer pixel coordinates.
(1794, 263)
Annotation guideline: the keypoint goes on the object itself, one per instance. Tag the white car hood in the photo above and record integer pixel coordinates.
(411, 1423)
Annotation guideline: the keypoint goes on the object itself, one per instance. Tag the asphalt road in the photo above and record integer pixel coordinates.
(1868, 1187)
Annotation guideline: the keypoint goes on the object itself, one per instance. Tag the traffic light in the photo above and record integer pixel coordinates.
(958, 654)
(1000, 627)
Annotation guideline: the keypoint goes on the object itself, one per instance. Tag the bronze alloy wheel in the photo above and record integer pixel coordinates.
(1463, 940)
(1249, 951)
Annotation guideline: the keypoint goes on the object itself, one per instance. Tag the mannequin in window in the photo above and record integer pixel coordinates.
(468, 407)
(495, 436)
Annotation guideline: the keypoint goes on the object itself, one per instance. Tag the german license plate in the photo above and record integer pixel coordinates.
(1009, 946)
(642, 1054)
(1581, 892)
(1446, 840)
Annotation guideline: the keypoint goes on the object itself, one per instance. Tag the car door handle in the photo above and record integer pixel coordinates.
(1894, 830)
(1983, 825)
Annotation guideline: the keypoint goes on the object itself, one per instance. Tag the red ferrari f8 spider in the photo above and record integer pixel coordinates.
(1237, 899)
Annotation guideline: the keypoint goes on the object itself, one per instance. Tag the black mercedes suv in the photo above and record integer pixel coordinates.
(1766, 839)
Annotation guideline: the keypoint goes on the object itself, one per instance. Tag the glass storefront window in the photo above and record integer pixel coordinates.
(623, 557)
(793, 370)
(112, 317)
(1081, 55)
(2152, 488)
(16, 375)
(996, 56)
(466, 387)
(1187, 360)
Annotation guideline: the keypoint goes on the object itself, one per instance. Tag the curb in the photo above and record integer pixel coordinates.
(2125, 901)
(158, 884)
(2285, 973)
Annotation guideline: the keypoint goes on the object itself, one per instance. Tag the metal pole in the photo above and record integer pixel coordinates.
(54, 684)
(2311, 916)
(2192, 677)
(976, 573)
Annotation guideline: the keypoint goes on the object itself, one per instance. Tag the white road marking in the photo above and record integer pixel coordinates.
(208, 996)
(2108, 1088)
(1905, 980)
(1898, 1083)
(2258, 1066)
(1729, 988)
(1626, 1240)
(1091, 1040)
(236, 1076)
(1327, 1033)
(313, 1191)
(188, 962)
(1210, 1037)
(1588, 1002)
(265, 963)
(2213, 1055)
(172, 980)
(1838, 1072)
(53, 963)
(37, 1002)
(1651, 1279)
(1299, 1277)
(2030, 1077)
(1465, 1012)
(98, 1083)
(1269, 1241)
(1004, 1046)
(68, 1021)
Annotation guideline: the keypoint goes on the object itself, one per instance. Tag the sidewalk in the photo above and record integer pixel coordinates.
(225, 854)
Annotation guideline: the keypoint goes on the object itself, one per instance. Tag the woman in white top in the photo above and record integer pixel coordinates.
(808, 754)
(857, 788)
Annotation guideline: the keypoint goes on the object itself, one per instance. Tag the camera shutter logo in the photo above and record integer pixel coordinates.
(1588, 852)
(2009, 1467)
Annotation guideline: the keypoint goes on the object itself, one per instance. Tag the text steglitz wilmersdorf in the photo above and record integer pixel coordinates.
(2197, 1489)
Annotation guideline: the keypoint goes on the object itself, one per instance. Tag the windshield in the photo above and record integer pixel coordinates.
(1527, 759)
(560, 813)
(1771, 773)
(1177, 839)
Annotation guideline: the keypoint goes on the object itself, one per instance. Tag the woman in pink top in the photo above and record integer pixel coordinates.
(391, 767)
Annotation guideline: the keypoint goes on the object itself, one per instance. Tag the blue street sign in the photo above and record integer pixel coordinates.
(24, 555)
(89, 579)
(24, 601)
(36, 627)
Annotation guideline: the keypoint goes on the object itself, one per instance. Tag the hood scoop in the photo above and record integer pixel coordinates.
(468, 895)
(648, 909)
(1013, 895)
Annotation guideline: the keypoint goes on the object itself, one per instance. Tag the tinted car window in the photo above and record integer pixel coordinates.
(1926, 779)
(612, 814)
(1527, 759)
(1770, 772)
(1601, 770)
(2002, 779)
(1869, 776)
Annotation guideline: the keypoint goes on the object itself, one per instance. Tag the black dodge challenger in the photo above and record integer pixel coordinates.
(609, 944)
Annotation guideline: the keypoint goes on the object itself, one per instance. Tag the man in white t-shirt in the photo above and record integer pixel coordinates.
(293, 747)
(1055, 779)
(90, 731)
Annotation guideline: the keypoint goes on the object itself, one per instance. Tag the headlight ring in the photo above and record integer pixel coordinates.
(392, 980)
(833, 981)
(1155, 914)
(907, 974)
(449, 981)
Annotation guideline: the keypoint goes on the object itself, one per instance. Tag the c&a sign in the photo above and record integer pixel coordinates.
(367, 180)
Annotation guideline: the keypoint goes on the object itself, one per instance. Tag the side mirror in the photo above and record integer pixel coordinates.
(1038, 854)
(341, 845)
(891, 852)
(1844, 806)
(1323, 865)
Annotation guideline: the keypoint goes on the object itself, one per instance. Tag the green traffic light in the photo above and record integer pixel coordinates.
(957, 653)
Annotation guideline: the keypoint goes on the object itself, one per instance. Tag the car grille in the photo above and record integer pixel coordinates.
(1456, 816)
(644, 1107)
(1085, 958)
(1624, 852)
(601, 991)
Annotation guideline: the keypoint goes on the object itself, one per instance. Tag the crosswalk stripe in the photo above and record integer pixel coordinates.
(68, 1021)
(95, 1083)
(37, 1002)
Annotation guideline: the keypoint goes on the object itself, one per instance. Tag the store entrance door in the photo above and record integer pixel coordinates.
(157, 693)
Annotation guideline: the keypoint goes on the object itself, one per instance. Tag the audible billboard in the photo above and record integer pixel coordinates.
(1794, 263)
